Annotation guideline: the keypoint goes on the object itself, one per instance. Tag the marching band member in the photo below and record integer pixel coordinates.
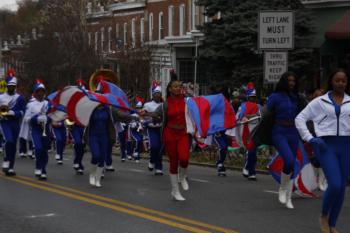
(135, 128)
(285, 104)
(25, 137)
(330, 114)
(122, 137)
(248, 110)
(12, 109)
(175, 137)
(77, 133)
(60, 134)
(39, 128)
(154, 132)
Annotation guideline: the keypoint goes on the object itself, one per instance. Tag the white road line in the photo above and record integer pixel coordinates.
(42, 215)
(269, 191)
(199, 180)
(137, 170)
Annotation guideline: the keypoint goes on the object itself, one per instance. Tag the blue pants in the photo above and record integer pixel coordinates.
(221, 141)
(1, 140)
(109, 160)
(77, 133)
(250, 163)
(41, 145)
(286, 140)
(155, 142)
(23, 145)
(61, 138)
(10, 130)
(99, 146)
(122, 143)
(335, 162)
(138, 140)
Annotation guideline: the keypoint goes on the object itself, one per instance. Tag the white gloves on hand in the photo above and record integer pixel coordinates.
(11, 113)
(42, 119)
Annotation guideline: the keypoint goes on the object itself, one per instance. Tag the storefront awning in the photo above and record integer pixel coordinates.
(341, 29)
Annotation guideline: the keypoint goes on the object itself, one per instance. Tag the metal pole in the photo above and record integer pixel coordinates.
(195, 66)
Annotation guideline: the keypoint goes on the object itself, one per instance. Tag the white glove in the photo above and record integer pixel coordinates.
(42, 118)
(11, 113)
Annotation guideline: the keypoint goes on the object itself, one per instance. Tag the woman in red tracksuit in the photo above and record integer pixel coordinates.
(175, 137)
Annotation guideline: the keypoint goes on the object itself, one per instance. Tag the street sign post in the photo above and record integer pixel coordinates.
(276, 30)
(275, 64)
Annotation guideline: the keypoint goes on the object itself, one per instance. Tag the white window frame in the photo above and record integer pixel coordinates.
(133, 32)
(182, 19)
(110, 39)
(102, 38)
(161, 25)
(142, 31)
(150, 27)
(96, 41)
(171, 20)
(125, 31)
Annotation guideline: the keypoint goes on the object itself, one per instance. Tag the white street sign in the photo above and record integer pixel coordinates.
(275, 64)
(276, 30)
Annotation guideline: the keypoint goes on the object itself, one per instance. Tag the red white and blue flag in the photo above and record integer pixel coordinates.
(305, 181)
(207, 115)
(115, 95)
(77, 104)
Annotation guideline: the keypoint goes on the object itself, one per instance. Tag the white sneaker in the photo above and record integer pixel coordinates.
(5, 164)
(129, 157)
(1, 150)
(30, 153)
(150, 166)
(137, 161)
(110, 168)
(245, 172)
(76, 166)
(57, 157)
(37, 172)
(158, 172)
(22, 155)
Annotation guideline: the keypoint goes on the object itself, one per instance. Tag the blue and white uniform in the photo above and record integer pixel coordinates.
(39, 130)
(332, 130)
(10, 125)
(155, 141)
(60, 134)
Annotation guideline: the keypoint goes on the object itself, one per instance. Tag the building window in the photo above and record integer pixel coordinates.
(133, 33)
(182, 20)
(150, 27)
(125, 34)
(161, 26)
(142, 31)
(109, 39)
(170, 20)
(102, 38)
(195, 14)
(96, 41)
(117, 30)
(89, 38)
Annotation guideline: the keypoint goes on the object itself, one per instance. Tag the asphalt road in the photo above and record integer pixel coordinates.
(133, 200)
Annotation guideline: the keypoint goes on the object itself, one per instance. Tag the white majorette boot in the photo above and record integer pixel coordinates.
(183, 178)
(322, 181)
(282, 192)
(98, 176)
(92, 177)
(175, 192)
(289, 203)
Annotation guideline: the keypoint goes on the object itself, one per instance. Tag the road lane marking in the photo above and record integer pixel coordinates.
(110, 206)
(137, 170)
(269, 191)
(42, 215)
(133, 206)
(200, 180)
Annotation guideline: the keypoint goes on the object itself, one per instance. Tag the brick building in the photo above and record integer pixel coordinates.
(167, 27)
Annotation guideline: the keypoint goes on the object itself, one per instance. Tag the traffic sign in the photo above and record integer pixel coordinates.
(275, 64)
(276, 30)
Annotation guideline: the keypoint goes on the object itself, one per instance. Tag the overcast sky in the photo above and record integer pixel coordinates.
(8, 4)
